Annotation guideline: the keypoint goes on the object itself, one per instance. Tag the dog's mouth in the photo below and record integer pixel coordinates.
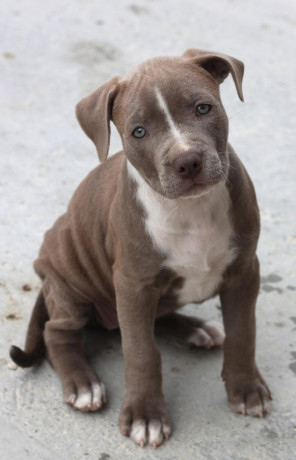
(199, 187)
(196, 188)
(191, 189)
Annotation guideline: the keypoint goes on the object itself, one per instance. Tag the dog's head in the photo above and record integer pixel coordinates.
(169, 115)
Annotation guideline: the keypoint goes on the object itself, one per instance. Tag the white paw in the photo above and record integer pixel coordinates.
(138, 432)
(211, 334)
(88, 398)
(154, 432)
(216, 331)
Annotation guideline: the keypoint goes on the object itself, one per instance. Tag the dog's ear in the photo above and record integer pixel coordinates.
(94, 113)
(219, 66)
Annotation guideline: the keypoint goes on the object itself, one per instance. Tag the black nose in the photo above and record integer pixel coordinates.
(188, 165)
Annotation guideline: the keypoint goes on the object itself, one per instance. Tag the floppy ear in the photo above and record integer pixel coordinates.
(94, 113)
(219, 66)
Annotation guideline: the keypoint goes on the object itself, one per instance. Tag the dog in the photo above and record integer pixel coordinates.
(171, 219)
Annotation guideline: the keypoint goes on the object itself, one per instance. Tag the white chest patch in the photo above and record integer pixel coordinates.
(194, 234)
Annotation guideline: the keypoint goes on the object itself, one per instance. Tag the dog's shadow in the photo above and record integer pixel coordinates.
(185, 369)
(99, 342)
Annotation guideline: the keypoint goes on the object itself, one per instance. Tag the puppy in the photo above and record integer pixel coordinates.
(171, 219)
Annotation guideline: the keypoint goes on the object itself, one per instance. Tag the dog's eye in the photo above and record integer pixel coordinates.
(202, 109)
(139, 132)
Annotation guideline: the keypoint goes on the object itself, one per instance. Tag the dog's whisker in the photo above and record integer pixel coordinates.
(236, 114)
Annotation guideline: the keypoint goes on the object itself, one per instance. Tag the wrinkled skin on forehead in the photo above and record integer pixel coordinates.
(205, 134)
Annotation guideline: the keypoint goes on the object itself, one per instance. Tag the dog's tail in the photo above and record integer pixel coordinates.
(34, 347)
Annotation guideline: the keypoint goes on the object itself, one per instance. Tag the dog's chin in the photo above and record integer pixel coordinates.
(196, 190)
(192, 190)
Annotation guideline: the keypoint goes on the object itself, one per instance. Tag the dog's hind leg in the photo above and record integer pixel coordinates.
(190, 330)
(82, 388)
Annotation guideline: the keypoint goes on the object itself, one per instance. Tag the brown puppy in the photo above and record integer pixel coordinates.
(170, 220)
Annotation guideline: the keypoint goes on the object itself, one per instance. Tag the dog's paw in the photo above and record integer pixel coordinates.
(84, 393)
(209, 334)
(251, 398)
(145, 420)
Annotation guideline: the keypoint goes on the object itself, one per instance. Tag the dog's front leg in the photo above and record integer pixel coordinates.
(247, 392)
(143, 415)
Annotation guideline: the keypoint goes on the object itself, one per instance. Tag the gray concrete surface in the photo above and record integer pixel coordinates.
(52, 54)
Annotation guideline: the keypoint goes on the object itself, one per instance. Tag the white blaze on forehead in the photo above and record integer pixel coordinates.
(172, 125)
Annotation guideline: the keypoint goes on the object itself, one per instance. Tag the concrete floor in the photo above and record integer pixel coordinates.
(51, 55)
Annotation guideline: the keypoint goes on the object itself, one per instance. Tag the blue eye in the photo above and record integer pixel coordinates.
(202, 109)
(139, 132)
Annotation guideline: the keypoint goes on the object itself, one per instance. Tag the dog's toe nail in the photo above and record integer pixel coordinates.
(210, 344)
(125, 431)
(71, 400)
(166, 431)
(238, 408)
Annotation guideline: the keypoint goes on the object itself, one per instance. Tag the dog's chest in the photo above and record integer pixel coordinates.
(194, 235)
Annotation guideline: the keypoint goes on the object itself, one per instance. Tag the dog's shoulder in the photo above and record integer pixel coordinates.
(244, 213)
(242, 193)
(97, 190)
(100, 178)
